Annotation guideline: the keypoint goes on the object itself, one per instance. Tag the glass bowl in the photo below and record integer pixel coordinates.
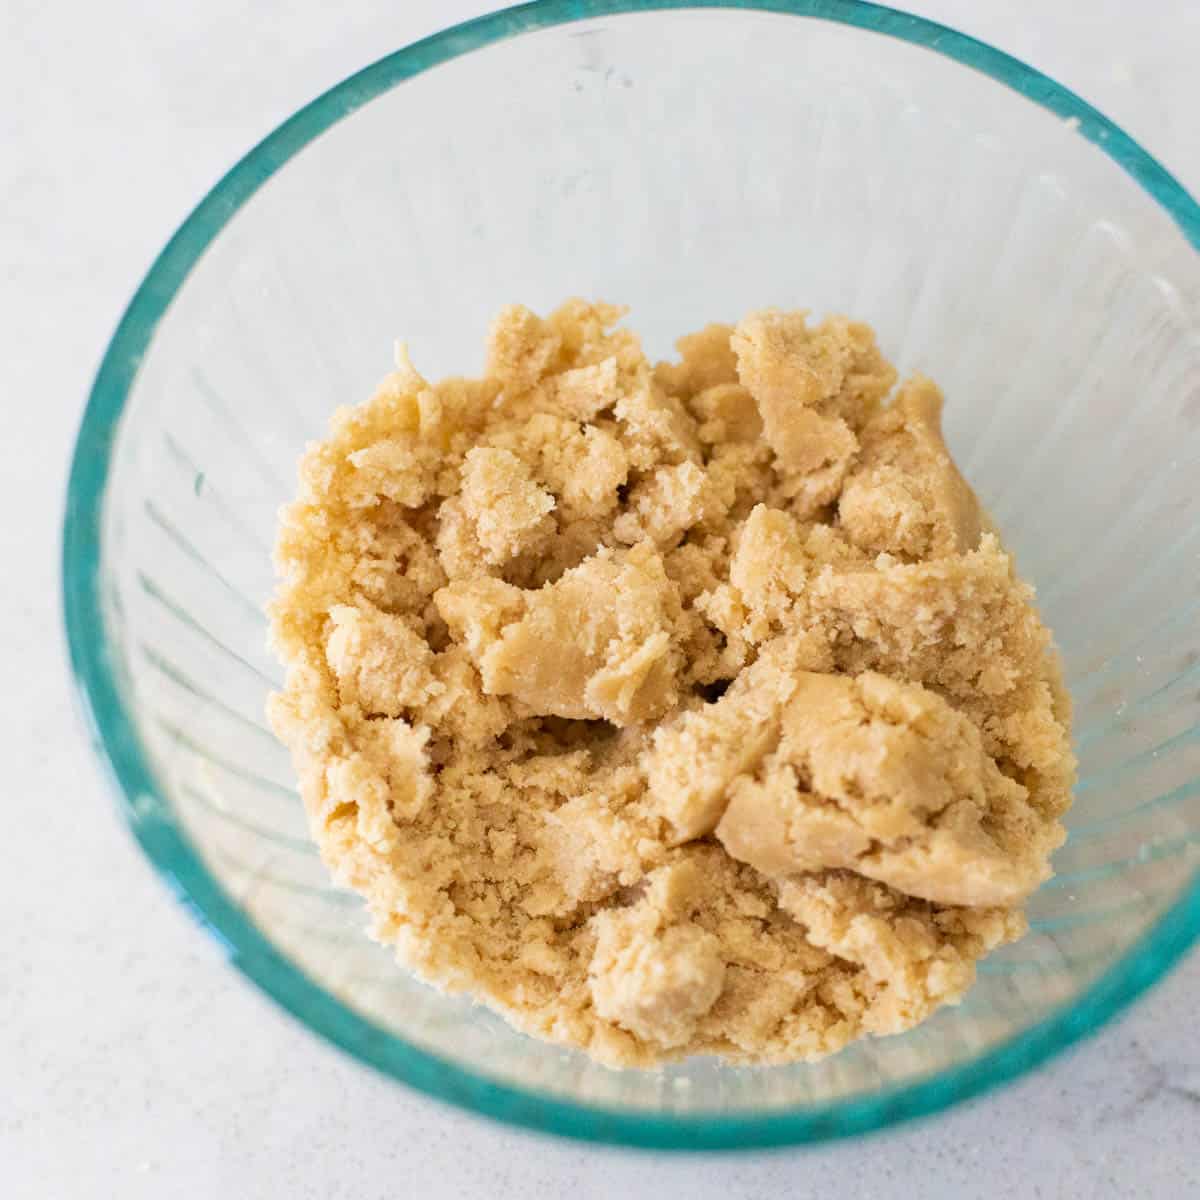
(693, 162)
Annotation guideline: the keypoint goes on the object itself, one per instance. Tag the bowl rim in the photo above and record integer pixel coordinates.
(113, 732)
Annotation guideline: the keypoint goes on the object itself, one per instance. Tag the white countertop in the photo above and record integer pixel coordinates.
(134, 1063)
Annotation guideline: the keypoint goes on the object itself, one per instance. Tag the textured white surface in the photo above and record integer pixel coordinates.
(134, 1063)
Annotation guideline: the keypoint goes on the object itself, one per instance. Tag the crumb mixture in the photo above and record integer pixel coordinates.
(688, 708)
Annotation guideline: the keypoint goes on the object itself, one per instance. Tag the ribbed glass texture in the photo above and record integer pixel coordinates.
(694, 164)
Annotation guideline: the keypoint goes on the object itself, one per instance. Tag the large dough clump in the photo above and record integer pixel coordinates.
(888, 780)
(597, 642)
(686, 708)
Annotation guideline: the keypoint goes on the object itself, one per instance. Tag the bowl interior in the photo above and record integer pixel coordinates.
(693, 165)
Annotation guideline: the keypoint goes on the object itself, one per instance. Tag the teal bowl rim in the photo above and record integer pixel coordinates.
(115, 738)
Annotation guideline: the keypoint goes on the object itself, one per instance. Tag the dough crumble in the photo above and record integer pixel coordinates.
(679, 708)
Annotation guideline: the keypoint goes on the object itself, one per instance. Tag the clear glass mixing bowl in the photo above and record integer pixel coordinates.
(694, 163)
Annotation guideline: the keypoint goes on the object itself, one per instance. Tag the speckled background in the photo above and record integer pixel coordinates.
(133, 1063)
